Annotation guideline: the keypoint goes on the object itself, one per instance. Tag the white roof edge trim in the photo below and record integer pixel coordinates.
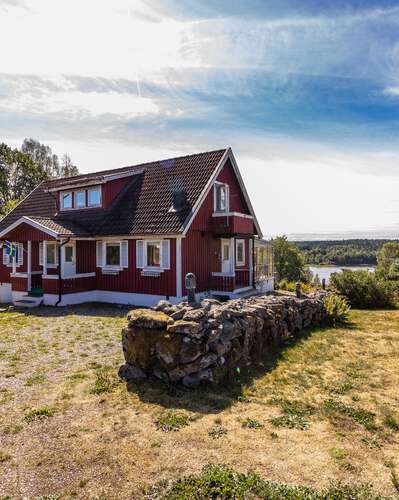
(31, 222)
(227, 155)
(244, 190)
(187, 223)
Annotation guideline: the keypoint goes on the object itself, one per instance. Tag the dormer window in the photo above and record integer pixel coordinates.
(221, 197)
(80, 199)
(66, 201)
(94, 197)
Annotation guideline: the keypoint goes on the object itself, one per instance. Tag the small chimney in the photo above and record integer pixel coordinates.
(179, 199)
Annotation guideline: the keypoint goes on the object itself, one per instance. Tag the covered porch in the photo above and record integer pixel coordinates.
(42, 265)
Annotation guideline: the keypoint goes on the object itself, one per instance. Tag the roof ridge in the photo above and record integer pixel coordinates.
(126, 168)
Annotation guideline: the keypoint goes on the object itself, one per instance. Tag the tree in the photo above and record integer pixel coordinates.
(42, 156)
(388, 261)
(288, 261)
(67, 167)
(7, 207)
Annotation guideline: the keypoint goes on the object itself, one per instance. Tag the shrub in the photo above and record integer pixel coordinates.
(171, 421)
(363, 289)
(289, 286)
(39, 413)
(337, 308)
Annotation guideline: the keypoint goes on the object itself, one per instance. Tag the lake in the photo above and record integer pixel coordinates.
(326, 271)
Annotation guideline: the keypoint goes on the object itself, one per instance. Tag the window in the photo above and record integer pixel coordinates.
(94, 197)
(68, 253)
(66, 201)
(80, 199)
(153, 254)
(226, 251)
(51, 254)
(240, 252)
(221, 197)
(112, 254)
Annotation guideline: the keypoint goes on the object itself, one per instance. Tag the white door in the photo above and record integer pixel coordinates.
(226, 256)
(68, 260)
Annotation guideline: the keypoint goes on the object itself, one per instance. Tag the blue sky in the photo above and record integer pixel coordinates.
(305, 92)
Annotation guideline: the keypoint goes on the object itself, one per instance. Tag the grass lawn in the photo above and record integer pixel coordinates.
(324, 408)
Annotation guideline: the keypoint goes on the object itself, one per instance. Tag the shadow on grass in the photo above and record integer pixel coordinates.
(214, 398)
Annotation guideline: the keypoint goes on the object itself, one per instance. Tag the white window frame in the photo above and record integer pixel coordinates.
(89, 190)
(146, 266)
(113, 243)
(216, 186)
(48, 265)
(240, 262)
(63, 193)
(75, 197)
(104, 255)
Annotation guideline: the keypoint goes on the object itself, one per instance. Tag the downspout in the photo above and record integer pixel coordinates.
(253, 262)
(59, 271)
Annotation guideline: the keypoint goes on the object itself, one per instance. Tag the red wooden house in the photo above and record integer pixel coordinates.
(130, 235)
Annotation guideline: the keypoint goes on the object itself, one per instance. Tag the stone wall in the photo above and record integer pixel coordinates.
(183, 344)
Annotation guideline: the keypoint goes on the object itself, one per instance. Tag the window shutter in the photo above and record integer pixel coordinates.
(40, 253)
(20, 254)
(165, 254)
(139, 254)
(99, 254)
(124, 254)
(6, 258)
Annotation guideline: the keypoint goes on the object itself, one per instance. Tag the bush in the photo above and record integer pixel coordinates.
(363, 289)
(337, 308)
(289, 286)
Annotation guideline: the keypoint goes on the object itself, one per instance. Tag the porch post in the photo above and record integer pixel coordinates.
(44, 257)
(29, 265)
(14, 261)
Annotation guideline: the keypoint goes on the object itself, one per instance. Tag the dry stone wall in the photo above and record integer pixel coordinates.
(207, 342)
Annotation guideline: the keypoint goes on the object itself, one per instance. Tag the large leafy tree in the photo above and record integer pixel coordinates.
(388, 261)
(22, 170)
(288, 261)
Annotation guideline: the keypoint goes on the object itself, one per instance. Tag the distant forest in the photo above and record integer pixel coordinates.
(341, 252)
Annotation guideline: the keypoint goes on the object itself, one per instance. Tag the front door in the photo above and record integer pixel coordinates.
(226, 256)
(68, 260)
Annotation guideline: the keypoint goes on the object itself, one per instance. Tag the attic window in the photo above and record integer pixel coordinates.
(221, 197)
(66, 200)
(94, 197)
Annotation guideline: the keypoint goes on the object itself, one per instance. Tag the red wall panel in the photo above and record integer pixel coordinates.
(25, 232)
(130, 280)
(237, 201)
(111, 189)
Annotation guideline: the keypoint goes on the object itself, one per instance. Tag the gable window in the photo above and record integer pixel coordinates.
(66, 201)
(112, 254)
(94, 197)
(240, 252)
(221, 194)
(80, 199)
(153, 254)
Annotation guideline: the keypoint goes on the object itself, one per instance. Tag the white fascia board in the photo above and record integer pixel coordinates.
(187, 223)
(246, 196)
(32, 223)
(227, 155)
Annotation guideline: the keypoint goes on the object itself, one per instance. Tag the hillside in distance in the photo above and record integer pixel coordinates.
(355, 252)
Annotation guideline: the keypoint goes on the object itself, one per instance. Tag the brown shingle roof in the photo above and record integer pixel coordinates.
(142, 207)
